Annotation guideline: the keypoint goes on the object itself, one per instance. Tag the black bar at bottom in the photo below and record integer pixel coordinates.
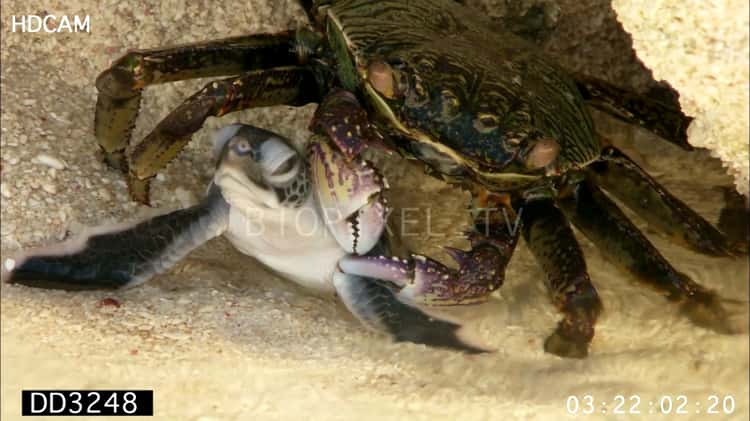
(87, 402)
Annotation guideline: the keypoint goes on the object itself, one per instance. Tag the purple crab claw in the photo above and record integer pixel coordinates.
(348, 193)
(345, 122)
(423, 280)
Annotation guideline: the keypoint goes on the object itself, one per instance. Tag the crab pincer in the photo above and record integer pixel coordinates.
(422, 280)
(349, 196)
(348, 189)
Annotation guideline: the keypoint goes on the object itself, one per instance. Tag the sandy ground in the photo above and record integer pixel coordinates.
(221, 338)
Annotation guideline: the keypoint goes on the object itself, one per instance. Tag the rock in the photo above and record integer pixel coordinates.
(49, 160)
(701, 49)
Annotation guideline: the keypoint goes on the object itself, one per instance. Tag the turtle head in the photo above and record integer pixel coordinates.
(260, 165)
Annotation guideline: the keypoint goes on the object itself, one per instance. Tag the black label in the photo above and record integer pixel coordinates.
(87, 402)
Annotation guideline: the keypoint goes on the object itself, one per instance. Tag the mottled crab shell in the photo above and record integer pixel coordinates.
(469, 99)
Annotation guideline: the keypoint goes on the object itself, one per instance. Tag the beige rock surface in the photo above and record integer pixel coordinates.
(701, 48)
(221, 338)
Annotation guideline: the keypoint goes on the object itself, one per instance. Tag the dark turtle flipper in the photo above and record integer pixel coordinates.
(128, 254)
(375, 305)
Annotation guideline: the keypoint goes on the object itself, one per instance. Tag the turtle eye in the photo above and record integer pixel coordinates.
(241, 146)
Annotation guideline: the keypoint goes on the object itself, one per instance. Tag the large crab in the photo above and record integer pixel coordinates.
(480, 106)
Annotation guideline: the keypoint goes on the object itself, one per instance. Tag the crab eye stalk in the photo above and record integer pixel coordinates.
(542, 153)
(382, 77)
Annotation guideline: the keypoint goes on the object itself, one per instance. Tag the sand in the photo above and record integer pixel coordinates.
(221, 338)
(701, 47)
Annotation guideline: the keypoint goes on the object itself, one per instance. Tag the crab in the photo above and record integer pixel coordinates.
(480, 107)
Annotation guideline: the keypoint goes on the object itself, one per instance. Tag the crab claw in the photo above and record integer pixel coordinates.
(426, 281)
(345, 122)
(348, 193)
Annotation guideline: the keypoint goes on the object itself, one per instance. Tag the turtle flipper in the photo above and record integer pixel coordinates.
(376, 306)
(127, 254)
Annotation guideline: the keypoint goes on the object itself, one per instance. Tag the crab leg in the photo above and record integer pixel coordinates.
(606, 226)
(284, 85)
(734, 219)
(273, 74)
(657, 110)
(121, 85)
(124, 255)
(552, 242)
(629, 183)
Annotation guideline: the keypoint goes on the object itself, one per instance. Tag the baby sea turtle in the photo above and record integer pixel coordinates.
(261, 200)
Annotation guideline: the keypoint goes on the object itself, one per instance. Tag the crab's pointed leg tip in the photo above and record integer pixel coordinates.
(725, 316)
(115, 160)
(139, 189)
(460, 256)
(562, 346)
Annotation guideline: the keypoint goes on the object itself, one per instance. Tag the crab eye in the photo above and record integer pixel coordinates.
(543, 153)
(387, 79)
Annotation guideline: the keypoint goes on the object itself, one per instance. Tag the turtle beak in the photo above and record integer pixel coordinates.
(279, 162)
